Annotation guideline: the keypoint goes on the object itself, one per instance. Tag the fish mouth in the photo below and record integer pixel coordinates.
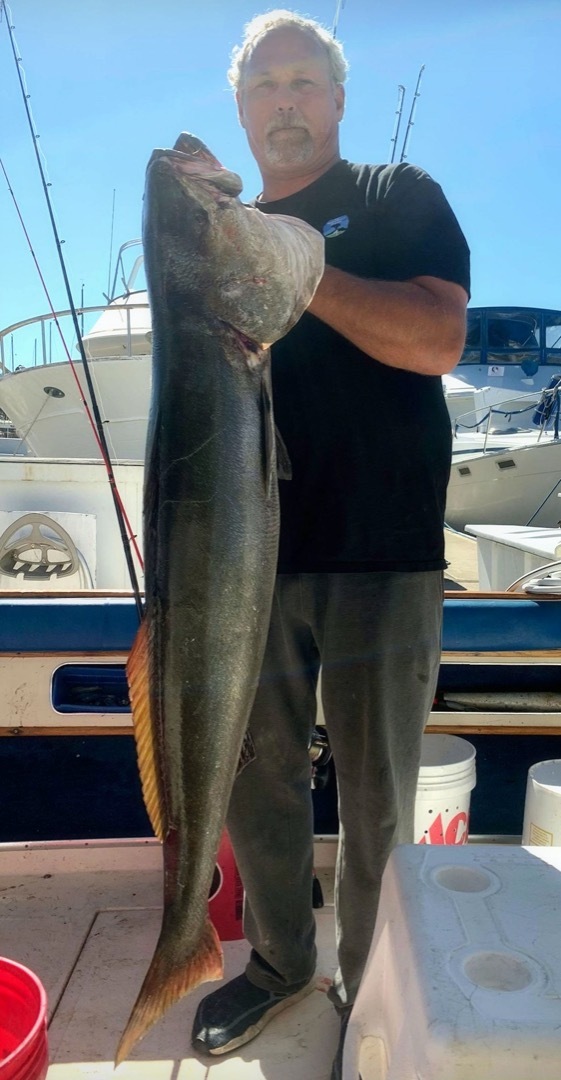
(188, 154)
(198, 166)
(181, 162)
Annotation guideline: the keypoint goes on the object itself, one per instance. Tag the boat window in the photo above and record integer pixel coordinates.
(471, 356)
(471, 353)
(505, 338)
(552, 331)
(473, 332)
(512, 333)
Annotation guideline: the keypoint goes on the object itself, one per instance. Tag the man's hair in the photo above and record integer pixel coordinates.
(261, 25)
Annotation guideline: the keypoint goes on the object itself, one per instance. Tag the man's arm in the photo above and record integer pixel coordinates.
(418, 325)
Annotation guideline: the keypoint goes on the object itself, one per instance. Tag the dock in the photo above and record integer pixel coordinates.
(461, 555)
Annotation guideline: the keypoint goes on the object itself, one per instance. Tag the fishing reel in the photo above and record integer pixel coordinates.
(320, 757)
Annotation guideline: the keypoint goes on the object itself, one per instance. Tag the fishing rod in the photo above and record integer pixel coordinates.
(411, 115)
(401, 95)
(398, 112)
(98, 428)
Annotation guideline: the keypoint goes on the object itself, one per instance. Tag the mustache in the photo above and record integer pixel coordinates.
(282, 122)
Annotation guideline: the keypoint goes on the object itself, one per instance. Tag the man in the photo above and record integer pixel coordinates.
(359, 403)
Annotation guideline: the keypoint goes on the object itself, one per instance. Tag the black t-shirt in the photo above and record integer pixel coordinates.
(369, 444)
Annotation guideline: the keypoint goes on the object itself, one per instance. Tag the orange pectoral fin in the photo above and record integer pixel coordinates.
(148, 749)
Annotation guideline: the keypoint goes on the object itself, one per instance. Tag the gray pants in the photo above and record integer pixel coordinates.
(377, 637)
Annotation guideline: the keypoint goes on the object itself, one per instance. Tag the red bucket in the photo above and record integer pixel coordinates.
(225, 902)
(24, 1053)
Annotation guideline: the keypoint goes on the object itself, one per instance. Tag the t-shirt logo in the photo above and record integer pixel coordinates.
(336, 226)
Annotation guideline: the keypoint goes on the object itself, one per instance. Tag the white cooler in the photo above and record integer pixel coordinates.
(463, 980)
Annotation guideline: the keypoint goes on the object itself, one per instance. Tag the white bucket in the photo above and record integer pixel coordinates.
(542, 810)
(446, 780)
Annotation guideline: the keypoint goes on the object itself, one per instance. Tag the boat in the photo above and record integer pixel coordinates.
(506, 452)
(508, 475)
(58, 525)
(516, 486)
(508, 378)
(509, 352)
(44, 395)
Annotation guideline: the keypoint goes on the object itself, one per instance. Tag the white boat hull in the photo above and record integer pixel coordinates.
(506, 487)
(46, 407)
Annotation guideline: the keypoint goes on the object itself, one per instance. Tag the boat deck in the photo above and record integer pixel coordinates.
(85, 919)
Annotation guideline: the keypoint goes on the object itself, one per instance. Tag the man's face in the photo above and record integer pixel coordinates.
(289, 105)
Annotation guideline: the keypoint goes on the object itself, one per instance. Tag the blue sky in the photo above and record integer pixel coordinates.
(111, 79)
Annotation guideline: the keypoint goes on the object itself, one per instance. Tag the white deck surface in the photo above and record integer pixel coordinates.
(85, 919)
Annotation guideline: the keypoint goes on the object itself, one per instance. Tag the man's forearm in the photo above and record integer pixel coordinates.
(418, 325)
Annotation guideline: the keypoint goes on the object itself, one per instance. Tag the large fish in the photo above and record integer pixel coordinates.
(224, 282)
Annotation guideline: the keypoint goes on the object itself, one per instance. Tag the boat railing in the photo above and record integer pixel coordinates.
(524, 412)
(39, 340)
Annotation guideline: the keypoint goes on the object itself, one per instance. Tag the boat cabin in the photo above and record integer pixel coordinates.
(511, 344)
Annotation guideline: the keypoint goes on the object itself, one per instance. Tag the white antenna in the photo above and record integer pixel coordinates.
(340, 6)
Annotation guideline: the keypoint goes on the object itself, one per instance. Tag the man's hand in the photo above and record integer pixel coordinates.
(418, 325)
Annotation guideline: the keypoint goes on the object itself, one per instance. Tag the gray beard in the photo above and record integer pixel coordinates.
(294, 146)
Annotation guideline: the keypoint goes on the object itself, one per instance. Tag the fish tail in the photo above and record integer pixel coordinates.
(167, 982)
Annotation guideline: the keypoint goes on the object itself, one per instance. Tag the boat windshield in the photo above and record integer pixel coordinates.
(528, 337)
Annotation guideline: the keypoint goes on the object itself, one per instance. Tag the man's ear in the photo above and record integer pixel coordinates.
(340, 100)
(240, 108)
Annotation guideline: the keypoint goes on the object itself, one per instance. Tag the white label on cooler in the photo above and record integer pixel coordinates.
(540, 837)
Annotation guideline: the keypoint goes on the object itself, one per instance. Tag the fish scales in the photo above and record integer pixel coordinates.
(224, 282)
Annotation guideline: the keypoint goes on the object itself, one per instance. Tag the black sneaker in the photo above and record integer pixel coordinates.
(235, 1013)
(337, 1069)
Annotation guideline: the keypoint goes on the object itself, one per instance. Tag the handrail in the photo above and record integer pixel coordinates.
(469, 420)
(61, 314)
(49, 316)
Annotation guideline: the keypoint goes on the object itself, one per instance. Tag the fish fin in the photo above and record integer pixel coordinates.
(247, 752)
(268, 435)
(275, 453)
(147, 749)
(284, 464)
(167, 981)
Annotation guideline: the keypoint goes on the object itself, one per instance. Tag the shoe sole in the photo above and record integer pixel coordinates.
(251, 1032)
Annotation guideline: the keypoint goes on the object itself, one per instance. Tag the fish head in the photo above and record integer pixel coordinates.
(189, 172)
(185, 188)
(254, 272)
